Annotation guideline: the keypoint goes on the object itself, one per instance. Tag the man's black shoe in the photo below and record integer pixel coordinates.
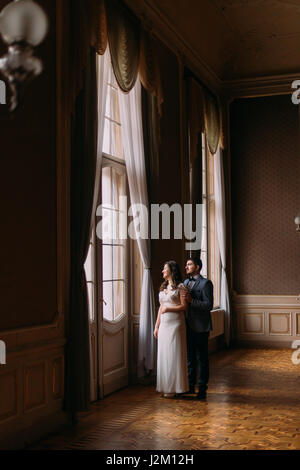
(191, 391)
(201, 396)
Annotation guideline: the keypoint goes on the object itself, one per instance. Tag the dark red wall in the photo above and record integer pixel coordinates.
(169, 188)
(265, 162)
(28, 264)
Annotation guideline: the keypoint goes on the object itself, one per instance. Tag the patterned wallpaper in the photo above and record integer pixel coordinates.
(265, 171)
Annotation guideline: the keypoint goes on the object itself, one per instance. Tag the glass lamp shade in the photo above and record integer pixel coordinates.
(23, 20)
(297, 220)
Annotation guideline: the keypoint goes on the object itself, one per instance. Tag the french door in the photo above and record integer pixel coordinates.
(112, 252)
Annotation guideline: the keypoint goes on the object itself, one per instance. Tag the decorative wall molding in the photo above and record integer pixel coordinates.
(268, 320)
(297, 323)
(280, 323)
(253, 323)
(271, 301)
(57, 368)
(9, 384)
(35, 382)
(31, 393)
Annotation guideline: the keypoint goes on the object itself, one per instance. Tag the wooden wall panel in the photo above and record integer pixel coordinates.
(34, 253)
(298, 323)
(253, 323)
(115, 354)
(280, 323)
(35, 385)
(267, 320)
(57, 377)
(9, 398)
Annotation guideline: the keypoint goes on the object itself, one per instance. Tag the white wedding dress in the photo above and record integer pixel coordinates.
(172, 373)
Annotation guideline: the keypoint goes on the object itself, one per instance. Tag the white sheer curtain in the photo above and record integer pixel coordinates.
(103, 67)
(133, 142)
(221, 233)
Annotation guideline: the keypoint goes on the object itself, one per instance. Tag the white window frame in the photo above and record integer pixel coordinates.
(207, 200)
(117, 163)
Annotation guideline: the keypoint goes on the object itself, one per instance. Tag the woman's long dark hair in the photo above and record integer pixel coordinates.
(175, 274)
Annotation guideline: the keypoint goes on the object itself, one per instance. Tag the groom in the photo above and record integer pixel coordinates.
(200, 302)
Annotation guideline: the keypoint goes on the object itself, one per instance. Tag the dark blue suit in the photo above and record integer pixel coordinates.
(199, 324)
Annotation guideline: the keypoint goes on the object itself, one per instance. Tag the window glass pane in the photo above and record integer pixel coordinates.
(112, 104)
(118, 293)
(90, 288)
(107, 262)
(113, 188)
(108, 298)
(107, 138)
(112, 139)
(118, 141)
(118, 262)
(118, 187)
(110, 225)
(106, 186)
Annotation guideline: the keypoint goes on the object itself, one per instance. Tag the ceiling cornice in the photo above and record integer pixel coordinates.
(260, 86)
(156, 22)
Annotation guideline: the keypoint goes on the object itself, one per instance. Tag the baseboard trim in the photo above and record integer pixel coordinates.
(264, 344)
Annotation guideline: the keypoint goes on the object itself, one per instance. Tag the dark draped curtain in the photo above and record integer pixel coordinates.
(151, 134)
(92, 24)
(195, 114)
(212, 121)
(83, 167)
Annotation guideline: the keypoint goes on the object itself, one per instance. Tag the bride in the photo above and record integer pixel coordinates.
(170, 331)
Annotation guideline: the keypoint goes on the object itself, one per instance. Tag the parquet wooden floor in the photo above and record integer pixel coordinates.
(253, 402)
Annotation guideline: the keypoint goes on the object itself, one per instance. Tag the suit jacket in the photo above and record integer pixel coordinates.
(199, 316)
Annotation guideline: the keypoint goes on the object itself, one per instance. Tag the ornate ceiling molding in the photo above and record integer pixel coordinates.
(154, 20)
(157, 23)
(262, 86)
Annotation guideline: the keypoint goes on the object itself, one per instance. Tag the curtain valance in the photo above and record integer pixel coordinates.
(99, 26)
(211, 121)
(124, 43)
(132, 49)
(204, 116)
